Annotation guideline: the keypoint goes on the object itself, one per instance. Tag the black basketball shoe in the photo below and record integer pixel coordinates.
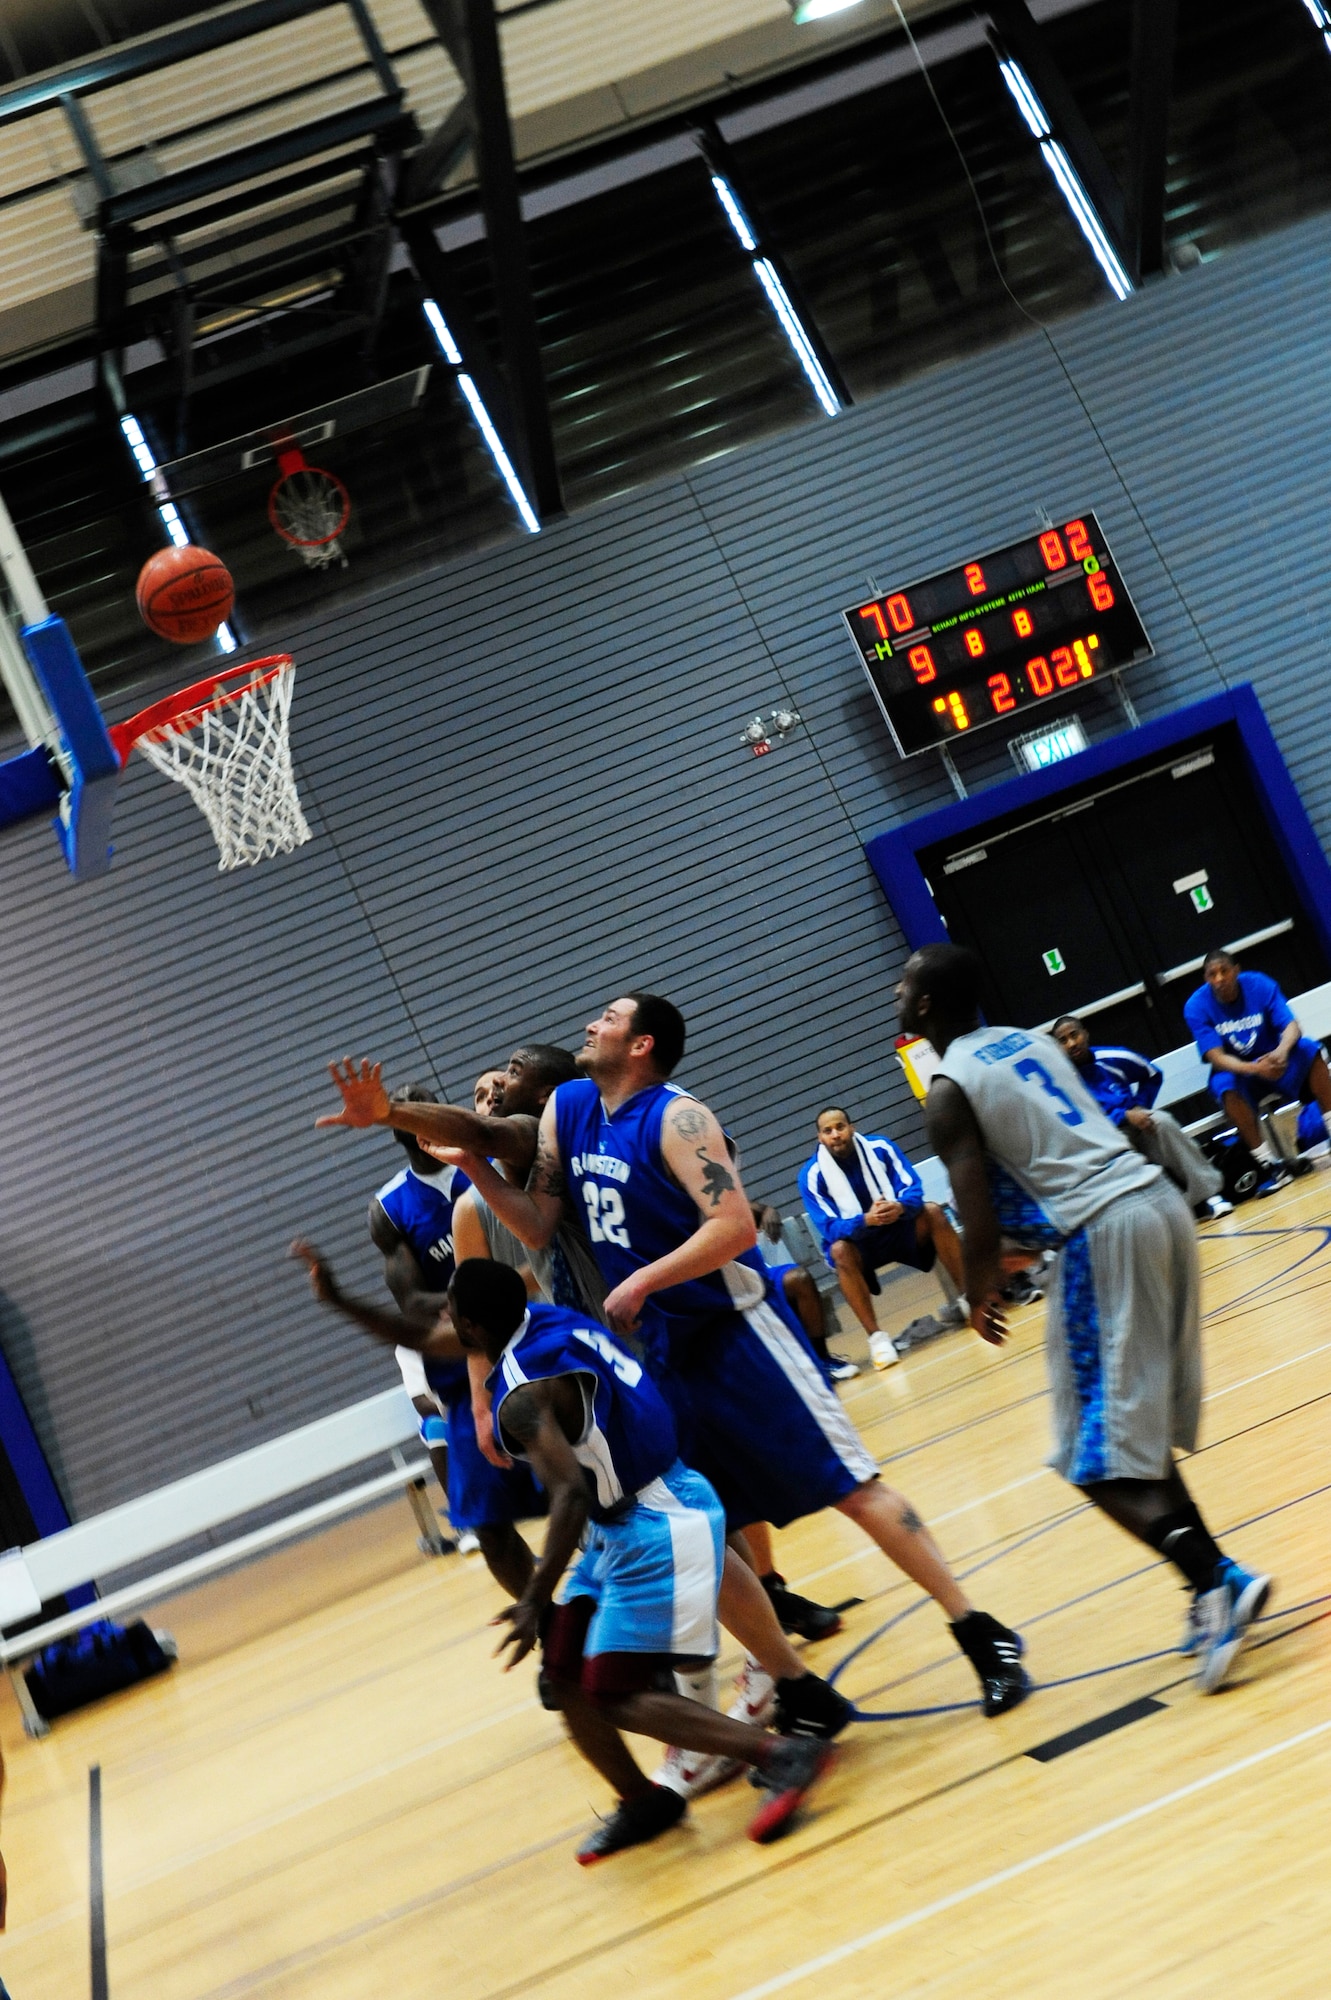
(633, 1822)
(995, 1653)
(810, 1707)
(800, 1615)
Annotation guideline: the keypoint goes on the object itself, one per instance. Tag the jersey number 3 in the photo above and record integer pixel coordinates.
(605, 1214)
(1031, 1071)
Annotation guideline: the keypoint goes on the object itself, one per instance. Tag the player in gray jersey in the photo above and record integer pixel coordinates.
(1035, 1164)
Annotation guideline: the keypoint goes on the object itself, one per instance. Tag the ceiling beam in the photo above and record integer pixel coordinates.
(1153, 35)
(469, 31)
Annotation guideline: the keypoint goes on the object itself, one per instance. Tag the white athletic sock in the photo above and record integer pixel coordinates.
(1326, 1120)
(1264, 1154)
(700, 1686)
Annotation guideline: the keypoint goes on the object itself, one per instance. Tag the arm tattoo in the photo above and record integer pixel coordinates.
(547, 1176)
(716, 1179)
(521, 1416)
(689, 1121)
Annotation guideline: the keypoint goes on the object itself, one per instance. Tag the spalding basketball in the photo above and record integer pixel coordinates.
(184, 594)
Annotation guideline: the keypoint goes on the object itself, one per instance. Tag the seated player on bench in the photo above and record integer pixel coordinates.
(1244, 1029)
(570, 1399)
(797, 1288)
(866, 1203)
(1125, 1086)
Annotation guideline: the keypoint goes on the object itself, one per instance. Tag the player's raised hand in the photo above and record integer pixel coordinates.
(364, 1099)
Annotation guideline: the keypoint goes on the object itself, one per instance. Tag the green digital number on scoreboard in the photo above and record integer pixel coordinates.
(1001, 633)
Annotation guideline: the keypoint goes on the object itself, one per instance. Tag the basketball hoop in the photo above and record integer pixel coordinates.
(227, 741)
(309, 508)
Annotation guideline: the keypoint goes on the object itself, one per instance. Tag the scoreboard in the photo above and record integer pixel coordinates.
(996, 635)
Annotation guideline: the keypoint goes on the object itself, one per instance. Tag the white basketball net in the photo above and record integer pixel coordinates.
(308, 508)
(234, 760)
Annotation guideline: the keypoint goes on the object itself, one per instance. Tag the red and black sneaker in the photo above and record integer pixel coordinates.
(633, 1822)
(794, 1765)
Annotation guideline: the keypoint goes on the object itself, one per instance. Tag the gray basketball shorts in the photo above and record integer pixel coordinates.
(1123, 1340)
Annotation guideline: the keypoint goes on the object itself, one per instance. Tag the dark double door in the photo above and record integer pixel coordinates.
(1105, 905)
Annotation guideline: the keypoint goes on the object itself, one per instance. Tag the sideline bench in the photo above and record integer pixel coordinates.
(157, 1522)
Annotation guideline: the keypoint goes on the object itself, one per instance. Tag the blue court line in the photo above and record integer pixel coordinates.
(1054, 1611)
(1069, 1680)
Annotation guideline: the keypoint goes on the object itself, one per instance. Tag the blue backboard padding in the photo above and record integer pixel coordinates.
(84, 824)
(29, 784)
(28, 1460)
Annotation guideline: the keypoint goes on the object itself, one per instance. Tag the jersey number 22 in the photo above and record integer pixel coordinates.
(605, 1214)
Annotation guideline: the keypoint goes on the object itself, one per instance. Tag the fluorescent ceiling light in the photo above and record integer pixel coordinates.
(778, 297)
(818, 10)
(452, 353)
(1069, 182)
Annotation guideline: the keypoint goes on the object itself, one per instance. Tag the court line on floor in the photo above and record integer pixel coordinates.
(1214, 1395)
(96, 1887)
(942, 1904)
(935, 1521)
(1053, 1610)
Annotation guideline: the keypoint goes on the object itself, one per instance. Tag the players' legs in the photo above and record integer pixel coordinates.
(889, 1520)
(1163, 1514)
(1244, 1120)
(753, 1545)
(436, 1445)
(745, 1610)
(934, 1227)
(507, 1557)
(1123, 1340)
(849, 1268)
(802, 1297)
(1318, 1085)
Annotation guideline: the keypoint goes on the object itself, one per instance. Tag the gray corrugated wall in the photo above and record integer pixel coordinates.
(527, 790)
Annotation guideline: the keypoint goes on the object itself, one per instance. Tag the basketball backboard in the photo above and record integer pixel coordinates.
(70, 767)
(308, 429)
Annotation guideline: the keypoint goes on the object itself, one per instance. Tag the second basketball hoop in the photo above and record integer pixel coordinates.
(309, 508)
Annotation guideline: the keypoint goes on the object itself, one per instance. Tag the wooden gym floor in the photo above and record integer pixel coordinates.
(338, 1794)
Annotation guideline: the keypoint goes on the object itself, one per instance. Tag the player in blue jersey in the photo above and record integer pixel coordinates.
(1125, 1086)
(579, 1407)
(1244, 1029)
(508, 1136)
(646, 1168)
(411, 1225)
(481, 1496)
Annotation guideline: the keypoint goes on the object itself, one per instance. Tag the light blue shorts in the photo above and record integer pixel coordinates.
(654, 1576)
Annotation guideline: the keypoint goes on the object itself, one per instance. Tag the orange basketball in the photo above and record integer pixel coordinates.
(184, 594)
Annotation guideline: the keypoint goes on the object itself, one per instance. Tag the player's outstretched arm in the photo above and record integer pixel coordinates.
(402, 1274)
(535, 1212)
(433, 1335)
(694, 1148)
(531, 1417)
(365, 1102)
(951, 1126)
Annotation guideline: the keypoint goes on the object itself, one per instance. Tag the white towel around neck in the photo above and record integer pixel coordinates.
(837, 1182)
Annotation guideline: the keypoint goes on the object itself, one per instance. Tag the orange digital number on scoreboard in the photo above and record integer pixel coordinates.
(1000, 632)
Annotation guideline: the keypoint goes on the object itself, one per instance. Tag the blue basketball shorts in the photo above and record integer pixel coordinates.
(652, 1578)
(893, 1243)
(481, 1495)
(757, 1417)
(1254, 1088)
